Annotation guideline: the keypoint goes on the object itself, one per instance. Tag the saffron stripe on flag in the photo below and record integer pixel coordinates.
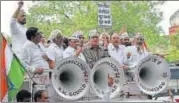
(4, 88)
(1, 67)
(13, 72)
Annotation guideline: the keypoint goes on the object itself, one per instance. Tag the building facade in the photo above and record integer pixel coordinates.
(174, 22)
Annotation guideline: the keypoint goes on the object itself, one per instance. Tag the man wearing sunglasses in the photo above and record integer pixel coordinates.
(34, 59)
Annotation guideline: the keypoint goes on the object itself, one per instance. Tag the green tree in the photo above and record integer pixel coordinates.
(138, 16)
(173, 48)
(69, 16)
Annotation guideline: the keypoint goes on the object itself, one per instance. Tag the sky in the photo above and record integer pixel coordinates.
(8, 8)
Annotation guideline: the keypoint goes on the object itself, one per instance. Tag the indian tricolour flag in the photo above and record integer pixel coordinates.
(12, 72)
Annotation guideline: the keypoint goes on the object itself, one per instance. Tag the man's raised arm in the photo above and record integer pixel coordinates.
(20, 4)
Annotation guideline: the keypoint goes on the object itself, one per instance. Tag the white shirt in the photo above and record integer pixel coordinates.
(55, 53)
(116, 53)
(135, 55)
(42, 47)
(69, 51)
(18, 33)
(31, 56)
(132, 61)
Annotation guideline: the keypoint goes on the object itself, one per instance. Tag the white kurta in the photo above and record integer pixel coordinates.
(18, 33)
(134, 59)
(31, 57)
(55, 53)
(69, 51)
(117, 53)
(135, 55)
(42, 47)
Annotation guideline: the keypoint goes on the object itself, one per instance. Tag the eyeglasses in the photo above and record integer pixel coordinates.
(141, 39)
(46, 97)
(60, 38)
(38, 34)
(81, 37)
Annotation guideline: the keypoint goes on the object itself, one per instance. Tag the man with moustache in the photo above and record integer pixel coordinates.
(17, 28)
(116, 50)
(124, 38)
(132, 56)
(93, 52)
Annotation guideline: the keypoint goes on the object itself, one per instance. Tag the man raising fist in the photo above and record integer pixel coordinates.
(17, 28)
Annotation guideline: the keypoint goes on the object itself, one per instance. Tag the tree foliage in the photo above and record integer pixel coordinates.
(70, 16)
(173, 49)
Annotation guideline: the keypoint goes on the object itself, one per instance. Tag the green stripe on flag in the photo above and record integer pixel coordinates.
(15, 78)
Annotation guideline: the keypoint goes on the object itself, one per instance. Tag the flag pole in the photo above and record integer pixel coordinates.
(18, 60)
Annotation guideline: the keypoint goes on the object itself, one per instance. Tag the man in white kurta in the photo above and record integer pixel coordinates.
(55, 50)
(17, 29)
(34, 59)
(124, 39)
(32, 56)
(55, 53)
(73, 49)
(116, 50)
(135, 53)
(132, 56)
